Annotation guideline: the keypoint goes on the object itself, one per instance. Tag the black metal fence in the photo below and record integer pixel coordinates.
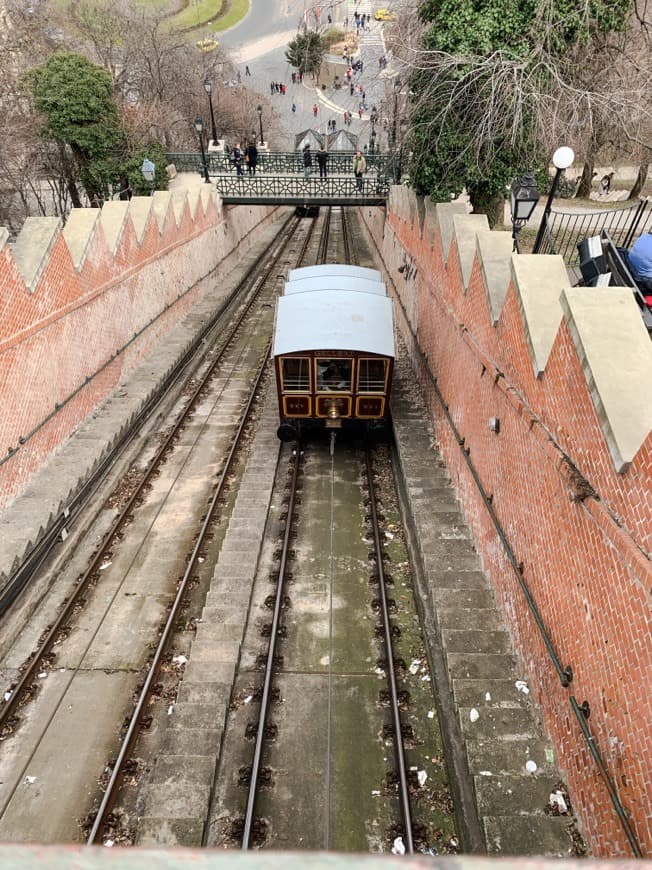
(563, 230)
(371, 189)
(280, 162)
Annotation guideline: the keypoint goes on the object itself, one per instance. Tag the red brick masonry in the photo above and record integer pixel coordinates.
(69, 302)
(581, 529)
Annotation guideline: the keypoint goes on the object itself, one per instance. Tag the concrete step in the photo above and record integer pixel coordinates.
(497, 723)
(198, 769)
(524, 794)
(546, 836)
(504, 757)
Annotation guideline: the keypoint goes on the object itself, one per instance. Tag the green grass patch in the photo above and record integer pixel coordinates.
(220, 14)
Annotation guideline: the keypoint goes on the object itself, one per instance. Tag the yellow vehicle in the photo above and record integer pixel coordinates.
(384, 15)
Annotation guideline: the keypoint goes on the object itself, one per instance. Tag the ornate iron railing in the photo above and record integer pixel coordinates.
(278, 162)
(371, 189)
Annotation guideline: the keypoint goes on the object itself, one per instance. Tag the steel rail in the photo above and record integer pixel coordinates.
(33, 665)
(33, 560)
(152, 674)
(399, 750)
(322, 251)
(269, 666)
(350, 255)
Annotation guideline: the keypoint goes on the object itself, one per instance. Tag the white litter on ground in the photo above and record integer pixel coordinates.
(556, 799)
(486, 773)
(375, 793)
(389, 536)
(531, 766)
(487, 696)
(522, 686)
(170, 709)
(42, 675)
(8, 695)
(431, 714)
(414, 667)
(248, 699)
(422, 776)
(30, 780)
(474, 715)
(180, 660)
(105, 565)
(399, 846)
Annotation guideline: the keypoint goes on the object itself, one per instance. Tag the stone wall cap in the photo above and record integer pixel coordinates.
(494, 249)
(538, 281)
(466, 227)
(78, 232)
(445, 212)
(31, 249)
(615, 353)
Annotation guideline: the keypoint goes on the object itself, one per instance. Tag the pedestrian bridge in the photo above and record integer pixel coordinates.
(280, 180)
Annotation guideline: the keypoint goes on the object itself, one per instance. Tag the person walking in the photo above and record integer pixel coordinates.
(307, 161)
(315, 109)
(359, 168)
(251, 158)
(322, 161)
(294, 107)
(237, 159)
(247, 70)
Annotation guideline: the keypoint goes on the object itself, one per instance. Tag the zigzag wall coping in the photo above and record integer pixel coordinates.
(466, 227)
(161, 200)
(78, 232)
(139, 209)
(113, 219)
(4, 237)
(31, 250)
(179, 199)
(539, 280)
(615, 352)
(445, 213)
(494, 250)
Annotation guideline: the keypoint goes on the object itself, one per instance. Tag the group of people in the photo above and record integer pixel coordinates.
(247, 156)
(359, 165)
(277, 87)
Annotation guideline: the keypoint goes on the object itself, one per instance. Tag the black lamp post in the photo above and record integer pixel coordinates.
(208, 87)
(398, 84)
(259, 109)
(148, 170)
(199, 126)
(523, 197)
(562, 159)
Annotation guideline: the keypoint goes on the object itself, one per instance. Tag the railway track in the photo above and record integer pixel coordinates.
(332, 641)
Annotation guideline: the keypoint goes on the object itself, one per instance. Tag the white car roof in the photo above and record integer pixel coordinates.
(334, 320)
(334, 282)
(334, 269)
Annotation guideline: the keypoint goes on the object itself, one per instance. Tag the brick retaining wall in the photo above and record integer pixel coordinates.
(569, 474)
(112, 282)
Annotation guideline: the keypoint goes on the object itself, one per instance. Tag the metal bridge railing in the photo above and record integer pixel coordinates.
(296, 189)
(279, 162)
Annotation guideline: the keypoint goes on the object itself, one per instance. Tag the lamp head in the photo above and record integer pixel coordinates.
(148, 170)
(199, 124)
(563, 157)
(208, 86)
(523, 197)
(259, 109)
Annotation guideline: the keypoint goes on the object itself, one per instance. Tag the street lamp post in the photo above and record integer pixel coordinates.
(148, 170)
(397, 90)
(523, 197)
(259, 109)
(208, 87)
(199, 126)
(562, 159)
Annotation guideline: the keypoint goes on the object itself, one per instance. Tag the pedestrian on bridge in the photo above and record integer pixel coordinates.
(322, 161)
(359, 168)
(315, 109)
(307, 161)
(251, 158)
